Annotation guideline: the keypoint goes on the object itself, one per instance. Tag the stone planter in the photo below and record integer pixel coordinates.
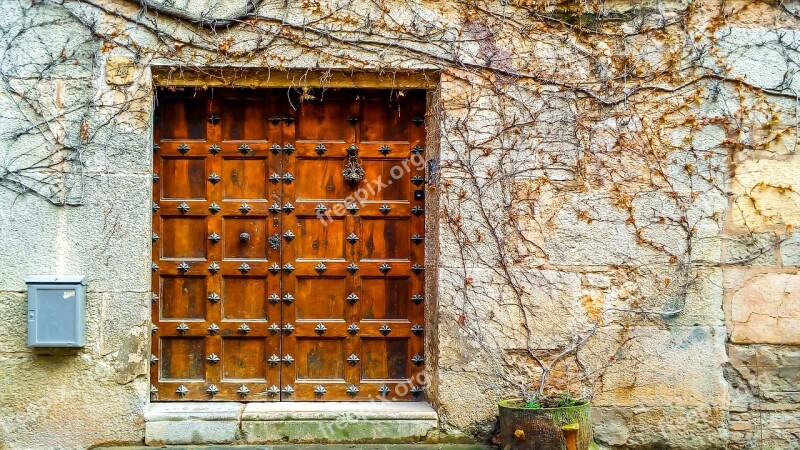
(523, 428)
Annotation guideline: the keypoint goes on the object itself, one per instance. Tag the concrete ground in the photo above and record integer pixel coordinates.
(314, 446)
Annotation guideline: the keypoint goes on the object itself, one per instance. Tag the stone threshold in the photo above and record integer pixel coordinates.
(199, 423)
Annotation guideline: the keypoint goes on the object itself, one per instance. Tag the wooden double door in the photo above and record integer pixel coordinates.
(274, 277)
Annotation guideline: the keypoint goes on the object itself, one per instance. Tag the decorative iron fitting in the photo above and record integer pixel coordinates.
(352, 120)
(182, 328)
(274, 178)
(153, 391)
(352, 208)
(212, 358)
(320, 328)
(213, 329)
(214, 237)
(243, 328)
(156, 148)
(288, 328)
(213, 268)
(274, 267)
(244, 268)
(352, 238)
(352, 267)
(182, 390)
(275, 148)
(288, 207)
(417, 360)
(245, 149)
(244, 237)
(385, 209)
(385, 268)
(352, 298)
(274, 328)
(214, 119)
(320, 149)
(183, 267)
(288, 149)
(417, 329)
(416, 239)
(353, 171)
(353, 329)
(153, 360)
(275, 120)
(212, 390)
(153, 328)
(154, 267)
(321, 267)
(288, 268)
(274, 241)
(288, 390)
(245, 208)
(183, 208)
(384, 150)
(155, 207)
(274, 360)
(154, 297)
(417, 299)
(214, 178)
(288, 299)
(243, 390)
(320, 209)
(352, 390)
(417, 150)
(353, 359)
(273, 391)
(154, 236)
(385, 330)
(275, 208)
(214, 149)
(274, 298)
(384, 390)
(416, 390)
(418, 120)
(287, 359)
(417, 180)
(417, 268)
(320, 390)
(156, 178)
(288, 235)
(288, 177)
(213, 297)
(183, 148)
(214, 208)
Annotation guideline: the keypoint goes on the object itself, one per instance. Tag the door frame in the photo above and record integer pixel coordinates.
(429, 81)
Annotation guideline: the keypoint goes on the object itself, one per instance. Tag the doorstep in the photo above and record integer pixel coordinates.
(193, 423)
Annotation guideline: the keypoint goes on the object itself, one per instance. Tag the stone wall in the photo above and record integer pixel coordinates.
(614, 197)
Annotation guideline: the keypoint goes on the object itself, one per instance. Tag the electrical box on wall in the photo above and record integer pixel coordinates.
(56, 311)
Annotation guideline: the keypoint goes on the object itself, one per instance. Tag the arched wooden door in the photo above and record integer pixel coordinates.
(275, 278)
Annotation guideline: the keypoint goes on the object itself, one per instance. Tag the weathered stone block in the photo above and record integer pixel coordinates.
(194, 432)
(764, 309)
(337, 422)
(790, 250)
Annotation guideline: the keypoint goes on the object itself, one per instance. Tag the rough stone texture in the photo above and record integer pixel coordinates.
(188, 431)
(765, 309)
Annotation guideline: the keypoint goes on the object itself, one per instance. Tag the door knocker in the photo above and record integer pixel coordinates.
(353, 170)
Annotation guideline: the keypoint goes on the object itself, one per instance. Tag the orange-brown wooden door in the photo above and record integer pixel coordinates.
(273, 277)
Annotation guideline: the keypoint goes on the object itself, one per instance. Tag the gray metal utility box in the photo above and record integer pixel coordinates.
(56, 311)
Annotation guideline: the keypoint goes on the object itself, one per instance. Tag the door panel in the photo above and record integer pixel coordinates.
(273, 277)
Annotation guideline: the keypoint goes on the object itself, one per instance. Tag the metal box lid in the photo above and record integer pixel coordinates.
(56, 279)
